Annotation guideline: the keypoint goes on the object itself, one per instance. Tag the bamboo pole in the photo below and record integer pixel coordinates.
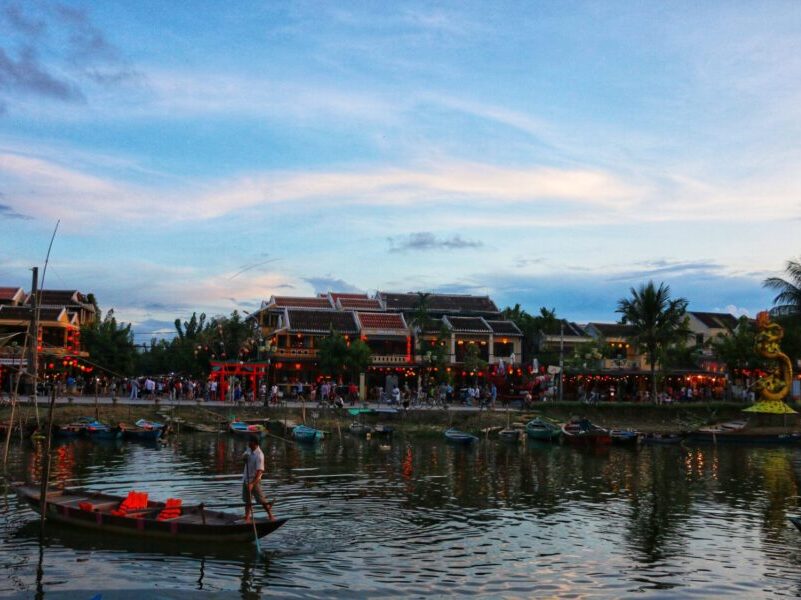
(46, 461)
(14, 400)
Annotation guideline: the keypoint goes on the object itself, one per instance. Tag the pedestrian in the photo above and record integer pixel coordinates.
(251, 479)
(134, 389)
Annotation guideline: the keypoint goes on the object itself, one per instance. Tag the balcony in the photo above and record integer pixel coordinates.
(295, 353)
(622, 364)
(389, 359)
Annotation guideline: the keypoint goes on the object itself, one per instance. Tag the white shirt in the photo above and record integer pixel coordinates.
(254, 461)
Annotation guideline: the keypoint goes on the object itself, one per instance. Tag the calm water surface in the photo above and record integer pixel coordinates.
(420, 517)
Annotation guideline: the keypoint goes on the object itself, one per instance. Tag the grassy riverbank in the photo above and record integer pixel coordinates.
(647, 418)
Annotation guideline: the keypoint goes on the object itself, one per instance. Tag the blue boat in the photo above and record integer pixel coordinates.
(100, 431)
(303, 433)
(246, 430)
(143, 431)
(460, 437)
(625, 437)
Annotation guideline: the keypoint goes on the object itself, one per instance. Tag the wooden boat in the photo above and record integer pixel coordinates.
(304, 433)
(244, 429)
(71, 430)
(581, 432)
(543, 429)
(734, 432)
(796, 521)
(654, 439)
(510, 435)
(357, 428)
(459, 437)
(134, 432)
(624, 437)
(194, 523)
(100, 431)
(383, 430)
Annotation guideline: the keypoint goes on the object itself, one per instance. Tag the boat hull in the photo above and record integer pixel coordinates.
(142, 434)
(460, 437)
(220, 527)
(707, 437)
(306, 435)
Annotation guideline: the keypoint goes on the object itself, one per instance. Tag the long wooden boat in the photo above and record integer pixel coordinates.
(624, 437)
(543, 429)
(661, 439)
(194, 523)
(245, 429)
(460, 437)
(707, 436)
(304, 433)
(70, 430)
(100, 431)
(510, 435)
(584, 433)
(133, 432)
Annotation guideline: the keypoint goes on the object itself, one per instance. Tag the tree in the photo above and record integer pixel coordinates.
(788, 301)
(110, 344)
(657, 321)
(473, 363)
(737, 349)
(532, 327)
(339, 358)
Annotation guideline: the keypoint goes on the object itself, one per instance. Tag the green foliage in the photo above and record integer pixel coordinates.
(197, 342)
(338, 358)
(473, 363)
(589, 355)
(658, 321)
(533, 327)
(738, 349)
(788, 300)
(110, 344)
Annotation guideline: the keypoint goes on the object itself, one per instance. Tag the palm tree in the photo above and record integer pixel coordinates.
(788, 301)
(656, 319)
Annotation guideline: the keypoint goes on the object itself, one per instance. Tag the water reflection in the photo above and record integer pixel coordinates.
(417, 516)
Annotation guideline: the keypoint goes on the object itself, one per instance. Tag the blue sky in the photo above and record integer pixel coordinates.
(203, 156)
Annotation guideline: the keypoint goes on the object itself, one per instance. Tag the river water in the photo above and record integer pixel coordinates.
(419, 517)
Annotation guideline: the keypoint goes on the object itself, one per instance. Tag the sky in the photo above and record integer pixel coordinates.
(203, 156)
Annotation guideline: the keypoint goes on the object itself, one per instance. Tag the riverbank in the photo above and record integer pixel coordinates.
(422, 421)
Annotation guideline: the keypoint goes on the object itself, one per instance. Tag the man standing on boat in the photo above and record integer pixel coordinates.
(251, 479)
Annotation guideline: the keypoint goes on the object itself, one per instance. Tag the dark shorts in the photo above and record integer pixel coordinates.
(256, 491)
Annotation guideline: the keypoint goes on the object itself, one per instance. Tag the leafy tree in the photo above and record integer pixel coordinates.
(657, 320)
(473, 363)
(788, 300)
(110, 344)
(737, 349)
(338, 358)
(533, 327)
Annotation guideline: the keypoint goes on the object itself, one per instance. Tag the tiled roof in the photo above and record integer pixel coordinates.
(504, 328)
(321, 321)
(613, 329)
(25, 313)
(571, 329)
(468, 324)
(439, 302)
(300, 302)
(435, 326)
(358, 304)
(9, 293)
(716, 320)
(339, 295)
(383, 321)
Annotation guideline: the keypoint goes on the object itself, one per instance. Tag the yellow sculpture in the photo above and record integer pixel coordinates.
(777, 383)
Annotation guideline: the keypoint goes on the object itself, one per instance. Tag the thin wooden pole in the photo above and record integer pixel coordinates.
(46, 461)
(14, 400)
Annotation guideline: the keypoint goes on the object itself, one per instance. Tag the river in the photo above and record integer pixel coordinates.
(419, 517)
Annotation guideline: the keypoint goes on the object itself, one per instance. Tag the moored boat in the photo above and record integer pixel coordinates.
(624, 437)
(655, 439)
(70, 430)
(510, 435)
(543, 429)
(357, 428)
(133, 432)
(383, 430)
(581, 432)
(100, 431)
(459, 437)
(245, 429)
(304, 433)
(166, 521)
(796, 521)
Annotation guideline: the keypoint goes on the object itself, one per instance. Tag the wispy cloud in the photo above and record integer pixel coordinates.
(8, 212)
(330, 283)
(427, 241)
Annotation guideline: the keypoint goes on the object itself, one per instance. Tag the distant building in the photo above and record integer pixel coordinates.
(293, 328)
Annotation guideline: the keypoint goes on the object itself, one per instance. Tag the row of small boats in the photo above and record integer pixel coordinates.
(88, 427)
(577, 432)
